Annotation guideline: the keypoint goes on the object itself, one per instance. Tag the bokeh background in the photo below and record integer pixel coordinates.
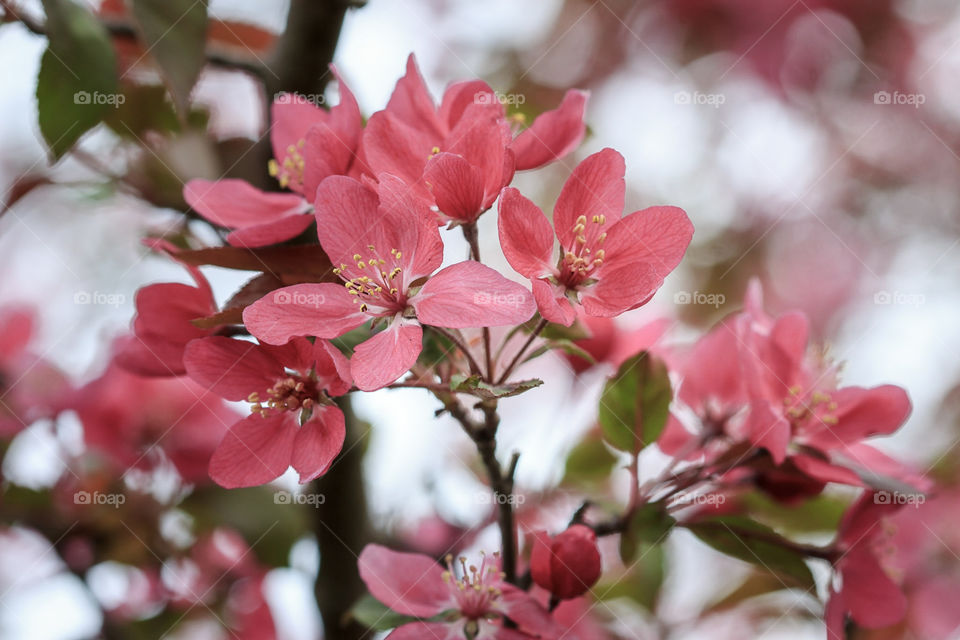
(814, 144)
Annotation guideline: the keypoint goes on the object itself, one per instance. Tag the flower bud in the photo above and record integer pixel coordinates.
(568, 564)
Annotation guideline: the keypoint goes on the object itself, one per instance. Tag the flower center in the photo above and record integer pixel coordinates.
(475, 590)
(292, 393)
(586, 254)
(289, 170)
(816, 407)
(375, 281)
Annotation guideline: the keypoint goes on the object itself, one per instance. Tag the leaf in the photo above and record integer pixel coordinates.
(373, 614)
(307, 260)
(649, 525)
(756, 584)
(642, 581)
(176, 33)
(145, 108)
(731, 535)
(819, 514)
(589, 461)
(77, 82)
(475, 385)
(635, 403)
(562, 345)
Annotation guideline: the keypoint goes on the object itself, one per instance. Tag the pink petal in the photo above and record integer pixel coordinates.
(151, 356)
(254, 451)
(481, 138)
(318, 442)
(167, 308)
(862, 413)
(540, 554)
(596, 187)
(236, 203)
(16, 328)
(275, 232)
(553, 134)
(412, 104)
(351, 217)
(520, 607)
(525, 235)
(824, 471)
(676, 439)
(627, 287)
(323, 310)
(456, 186)
(292, 116)
(332, 368)
(553, 306)
(231, 368)
(461, 95)
(327, 152)
(408, 583)
(656, 236)
(768, 429)
(410, 226)
(722, 379)
(395, 147)
(469, 294)
(386, 356)
(873, 599)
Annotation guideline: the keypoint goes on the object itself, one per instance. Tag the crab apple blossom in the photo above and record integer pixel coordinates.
(387, 245)
(607, 263)
(309, 144)
(163, 325)
(30, 387)
(292, 421)
(753, 378)
(130, 420)
(551, 136)
(568, 564)
(865, 587)
(473, 600)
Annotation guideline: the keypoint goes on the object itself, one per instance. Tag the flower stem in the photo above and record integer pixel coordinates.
(516, 359)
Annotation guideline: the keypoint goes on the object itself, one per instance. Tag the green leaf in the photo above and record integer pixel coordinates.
(176, 33)
(635, 403)
(562, 345)
(145, 108)
(821, 513)
(731, 535)
(589, 461)
(642, 581)
(77, 82)
(374, 615)
(476, 386)
(648, 525)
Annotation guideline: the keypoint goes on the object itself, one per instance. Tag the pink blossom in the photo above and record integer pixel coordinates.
(568, 564)
(607, 263)
(292, 420)
(309, 144)
(385, 243)
(753, 378)
(865, 589)
(476, 599)
(164, 322)
(463, 153)
(30, 387)
(131, 420)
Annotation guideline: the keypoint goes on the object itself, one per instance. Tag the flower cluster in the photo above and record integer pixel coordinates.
(749, 409)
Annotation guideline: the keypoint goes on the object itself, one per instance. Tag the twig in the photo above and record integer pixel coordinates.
(516, 359)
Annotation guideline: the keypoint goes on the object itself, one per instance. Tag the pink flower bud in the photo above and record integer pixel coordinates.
(567, 564)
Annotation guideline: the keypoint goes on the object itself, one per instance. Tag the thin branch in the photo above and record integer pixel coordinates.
(516, 359)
